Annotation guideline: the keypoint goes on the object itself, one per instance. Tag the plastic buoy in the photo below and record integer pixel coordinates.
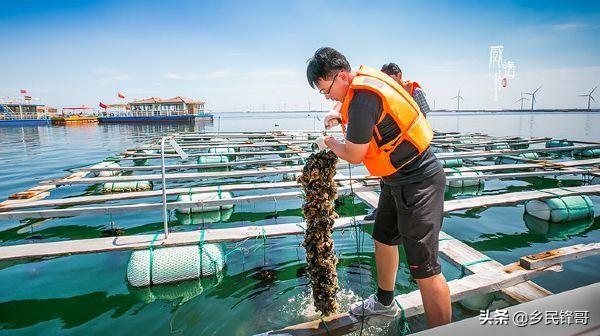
(497, 146)
(107, 173)
(587, 153)
(126, 186)
(472, 179)
(174, 264)
(558, 143)
(207, 217)
(507, 160)
(452, 163)
(204, 197)
(561, 209)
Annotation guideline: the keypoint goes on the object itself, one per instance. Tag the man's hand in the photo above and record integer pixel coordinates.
(322, 142)
(332, 119)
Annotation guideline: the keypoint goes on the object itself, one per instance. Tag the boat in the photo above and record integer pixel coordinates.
(156, 110)
(23, 112)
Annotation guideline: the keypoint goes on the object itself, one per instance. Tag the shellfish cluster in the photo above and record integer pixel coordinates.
(319, 193)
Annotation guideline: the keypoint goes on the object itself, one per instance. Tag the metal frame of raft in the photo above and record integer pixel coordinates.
(482, 274)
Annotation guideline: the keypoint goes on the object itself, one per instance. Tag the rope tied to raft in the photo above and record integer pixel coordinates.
(200, 251)
(463, 267)
(151, 261)
(210, 257)
(190, 195)
(445, 238)
(325, 325)
(402, 323)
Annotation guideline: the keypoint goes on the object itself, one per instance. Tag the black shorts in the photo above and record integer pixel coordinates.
(412, 215)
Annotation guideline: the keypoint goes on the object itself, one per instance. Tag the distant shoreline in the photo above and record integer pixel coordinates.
(442, 111)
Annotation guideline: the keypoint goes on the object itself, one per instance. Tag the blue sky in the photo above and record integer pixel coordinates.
(251, 55)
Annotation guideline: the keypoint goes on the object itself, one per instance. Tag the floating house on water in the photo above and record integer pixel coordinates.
(22, 111)
(155, 109)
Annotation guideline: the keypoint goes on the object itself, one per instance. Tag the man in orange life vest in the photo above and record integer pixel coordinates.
(413, 88)
(385, 130)
(415, 91)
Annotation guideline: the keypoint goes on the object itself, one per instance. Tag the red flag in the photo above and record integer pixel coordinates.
(102, 105)
(23, 91)
(120, 95)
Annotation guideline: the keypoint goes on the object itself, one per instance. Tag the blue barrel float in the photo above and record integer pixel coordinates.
(587, 153)
(558, 143)
(518, 145)
(561, 209)
(507, 160)
(452, 163)
(497, 146)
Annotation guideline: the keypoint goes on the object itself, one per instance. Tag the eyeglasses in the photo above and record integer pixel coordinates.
(330, 86)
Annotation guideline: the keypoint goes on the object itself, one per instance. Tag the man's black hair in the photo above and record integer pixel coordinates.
(325, 63)
(391, 69)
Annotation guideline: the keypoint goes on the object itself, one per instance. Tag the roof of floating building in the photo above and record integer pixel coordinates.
(157, 100)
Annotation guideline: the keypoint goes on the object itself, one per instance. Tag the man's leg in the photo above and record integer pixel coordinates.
(386, 237)
(386, 259)
(436, 300)
(421, 205)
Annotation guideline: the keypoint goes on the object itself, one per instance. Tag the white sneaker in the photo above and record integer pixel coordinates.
(371, 306)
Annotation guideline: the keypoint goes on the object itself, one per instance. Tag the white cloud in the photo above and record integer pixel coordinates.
(192, 76)
(568, 26)
(177, 76)
(110, 76)
(216, 74)
(219, 74)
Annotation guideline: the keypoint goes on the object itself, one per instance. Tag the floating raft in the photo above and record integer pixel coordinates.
(192, 186)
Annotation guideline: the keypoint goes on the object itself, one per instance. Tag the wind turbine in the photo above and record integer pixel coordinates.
(532, 94)
(589, 95)
(521, 100)
(458, 97)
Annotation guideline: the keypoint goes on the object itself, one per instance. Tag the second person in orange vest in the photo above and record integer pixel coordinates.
(413, 88)
(386, 131)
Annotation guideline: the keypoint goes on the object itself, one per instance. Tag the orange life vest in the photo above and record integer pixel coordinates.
(411, 86)
(415, 133)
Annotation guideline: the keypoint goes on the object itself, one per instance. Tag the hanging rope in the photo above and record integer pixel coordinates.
(325, 325)
(151, 261)
(200, 251)
(402, 323)
(463, 267)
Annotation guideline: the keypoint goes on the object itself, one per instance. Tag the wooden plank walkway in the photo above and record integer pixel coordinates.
(475, 284)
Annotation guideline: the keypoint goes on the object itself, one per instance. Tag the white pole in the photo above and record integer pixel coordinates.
(164, 186)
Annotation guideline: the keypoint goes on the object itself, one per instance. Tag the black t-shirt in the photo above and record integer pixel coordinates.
(363, 113)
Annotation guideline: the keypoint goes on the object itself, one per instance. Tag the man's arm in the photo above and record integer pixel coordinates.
(351, 152)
